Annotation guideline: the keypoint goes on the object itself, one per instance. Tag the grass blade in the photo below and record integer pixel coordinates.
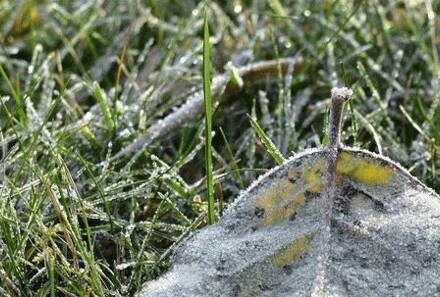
(15, 94)
(108, 118)
(268, 144)
(208, 118)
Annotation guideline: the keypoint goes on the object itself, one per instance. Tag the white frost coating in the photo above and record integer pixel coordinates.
(195, 105)
(385, 240)
(271, 172)
(341, 93)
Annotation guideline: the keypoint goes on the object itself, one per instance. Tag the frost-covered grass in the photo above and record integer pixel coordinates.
(81, 79)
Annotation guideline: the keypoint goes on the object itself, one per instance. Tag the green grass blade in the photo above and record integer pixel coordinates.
(15, 94)
(108, 119)
(268, 144)
(208, 118)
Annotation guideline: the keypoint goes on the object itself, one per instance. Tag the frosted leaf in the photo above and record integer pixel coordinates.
(385, 235)
(332, 222)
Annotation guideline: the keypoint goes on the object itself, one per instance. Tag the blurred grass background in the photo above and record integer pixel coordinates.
(82, 79)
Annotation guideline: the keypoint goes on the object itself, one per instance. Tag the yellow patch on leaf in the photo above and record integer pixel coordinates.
(313, 176)
(279, 204)
(362, 170)
(292, 253)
